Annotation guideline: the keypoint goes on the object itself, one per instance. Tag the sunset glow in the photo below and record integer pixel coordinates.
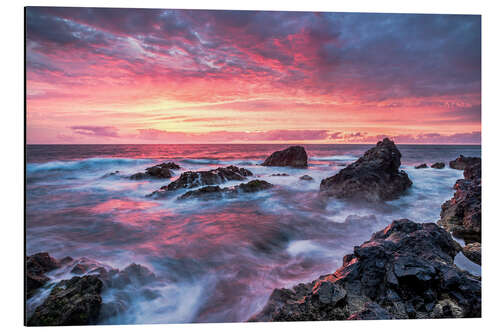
(186, 76)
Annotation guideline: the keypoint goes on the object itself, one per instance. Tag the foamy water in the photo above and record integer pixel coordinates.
(216, 261)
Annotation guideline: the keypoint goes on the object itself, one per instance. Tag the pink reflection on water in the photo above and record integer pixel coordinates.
(122, 204)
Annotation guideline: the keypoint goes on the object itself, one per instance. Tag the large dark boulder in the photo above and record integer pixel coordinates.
(375, 176)
(71, 302)
(461, 215)
(160, 171)
(36, 266)
(404, 271)
(461, 162)
(191, 179)
(216, 192)
(294, 156)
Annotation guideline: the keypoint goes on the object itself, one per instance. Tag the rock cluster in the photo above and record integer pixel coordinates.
(71, 302)
(160, 171)
(461, 162)
(373, 177)
(404, 271)
(78, 301)
(294, 156)
(36, 267)
(216, 192)
(461, 215)
(191, 179)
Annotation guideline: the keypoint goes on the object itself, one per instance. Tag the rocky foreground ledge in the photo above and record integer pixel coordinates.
(404, 271)
(461, 215)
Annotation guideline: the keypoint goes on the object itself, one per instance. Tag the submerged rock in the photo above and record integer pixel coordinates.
(216, 192)
(280, 175)
(192, 179)
(373, 177)
(160, 171)
(461, 162)
(71, 302)
(306, 177)
(473, 252)
(461, 215)
(294, 156)
(404, 271)
(421, 166)
(438, 165)
(36, 266)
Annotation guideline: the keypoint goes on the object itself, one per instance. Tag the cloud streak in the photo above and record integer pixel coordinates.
(251, 71)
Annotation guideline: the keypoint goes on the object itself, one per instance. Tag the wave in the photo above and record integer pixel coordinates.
(85, 164)
(204, 161)
(334, 158)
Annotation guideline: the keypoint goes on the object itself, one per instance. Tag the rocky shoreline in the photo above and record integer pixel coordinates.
(404, 271)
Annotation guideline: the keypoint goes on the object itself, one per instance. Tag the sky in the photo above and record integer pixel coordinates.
(108, 75)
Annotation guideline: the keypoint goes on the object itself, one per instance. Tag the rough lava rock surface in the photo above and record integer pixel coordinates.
(294, 156)
(473, 252)
(71, 302)
(160, 171)
(404, 271)
(192, 179)
(461, 215)
(375, 176)
(36, 266)
(215, 192)
(461, 162)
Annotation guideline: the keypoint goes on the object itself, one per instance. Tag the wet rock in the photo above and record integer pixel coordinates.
(404, 271)
(111, 174)
(71, 302)
(160, 171)
(438, 165)
(36, 267)
(473, 252)
(280, 175)
(306, 177)
(373, 177)
(461, 215)
(192, 179)
(216, 192)
(461, 162)
(421, 166)
(294, 156)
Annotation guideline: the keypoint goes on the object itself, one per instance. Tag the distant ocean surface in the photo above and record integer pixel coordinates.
(218, 260)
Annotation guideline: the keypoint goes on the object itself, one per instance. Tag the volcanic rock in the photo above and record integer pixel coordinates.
(160, 171)
(36, 267)
(461, 215)
(473, 252)
(461, 162)
(71, 302)
(373, 177)
(438, 165)
(216, 192)
(192, 179)
(404, 271)
(421, 166)
(294, 156)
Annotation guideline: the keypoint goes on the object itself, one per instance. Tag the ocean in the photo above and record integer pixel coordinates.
(215, 261)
